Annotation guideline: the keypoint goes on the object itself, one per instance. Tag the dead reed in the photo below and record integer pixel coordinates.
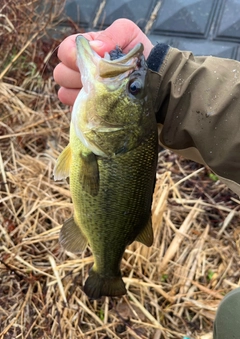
(174, 287)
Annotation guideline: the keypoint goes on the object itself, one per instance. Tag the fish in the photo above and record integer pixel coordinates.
(111, 163)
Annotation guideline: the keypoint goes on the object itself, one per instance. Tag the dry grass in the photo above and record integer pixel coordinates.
(174, 287)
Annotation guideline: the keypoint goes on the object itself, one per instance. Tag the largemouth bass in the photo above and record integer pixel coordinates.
(111, 162)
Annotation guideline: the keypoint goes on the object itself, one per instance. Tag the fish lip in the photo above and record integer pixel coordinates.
(87, 62)
(83, 45)
(112, 68)
(107, 68)
(84, 50)
(134, 52)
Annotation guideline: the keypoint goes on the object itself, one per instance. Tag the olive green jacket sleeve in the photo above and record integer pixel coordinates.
(197, 104)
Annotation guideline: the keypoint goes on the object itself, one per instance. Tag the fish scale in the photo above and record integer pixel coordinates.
(124, 207)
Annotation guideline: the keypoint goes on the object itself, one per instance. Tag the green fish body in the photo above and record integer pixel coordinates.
(111, 161)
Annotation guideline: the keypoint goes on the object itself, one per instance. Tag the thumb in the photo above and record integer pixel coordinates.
(123, 33)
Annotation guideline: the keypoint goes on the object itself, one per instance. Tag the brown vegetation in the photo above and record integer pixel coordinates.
(174, 287)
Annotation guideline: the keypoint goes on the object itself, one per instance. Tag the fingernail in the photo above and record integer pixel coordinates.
(96, 43)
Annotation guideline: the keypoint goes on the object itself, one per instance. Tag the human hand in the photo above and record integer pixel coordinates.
(122, 32)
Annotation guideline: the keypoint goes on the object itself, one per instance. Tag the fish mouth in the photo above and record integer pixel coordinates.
(107, 68)
(86, 57)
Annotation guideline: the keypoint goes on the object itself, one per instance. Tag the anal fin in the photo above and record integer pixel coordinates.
(71, 237)
(146, 235)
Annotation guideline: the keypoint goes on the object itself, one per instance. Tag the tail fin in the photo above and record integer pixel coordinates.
(97, 286)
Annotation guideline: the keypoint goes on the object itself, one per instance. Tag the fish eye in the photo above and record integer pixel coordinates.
(135, 87)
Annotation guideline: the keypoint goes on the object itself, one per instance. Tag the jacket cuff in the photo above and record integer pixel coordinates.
(157, 56)
(155, 61)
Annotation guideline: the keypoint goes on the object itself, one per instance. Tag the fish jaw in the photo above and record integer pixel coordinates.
(91, 65)
(95, 69)
(87, 60)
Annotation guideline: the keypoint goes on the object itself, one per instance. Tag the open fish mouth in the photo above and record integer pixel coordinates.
(106, 68)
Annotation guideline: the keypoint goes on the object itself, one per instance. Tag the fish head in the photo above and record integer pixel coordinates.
(111, 114)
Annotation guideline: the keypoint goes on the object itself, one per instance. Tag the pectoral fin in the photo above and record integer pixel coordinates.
(146, 235)
(61, 170)
(71, 237)
(89, 174)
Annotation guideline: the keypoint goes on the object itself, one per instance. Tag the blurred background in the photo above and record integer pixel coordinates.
(206, 27)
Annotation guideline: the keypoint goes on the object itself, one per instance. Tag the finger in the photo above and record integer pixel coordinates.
(67, 77)
(116, 34)
(123, 33)
(67, 52)
(67, 96)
